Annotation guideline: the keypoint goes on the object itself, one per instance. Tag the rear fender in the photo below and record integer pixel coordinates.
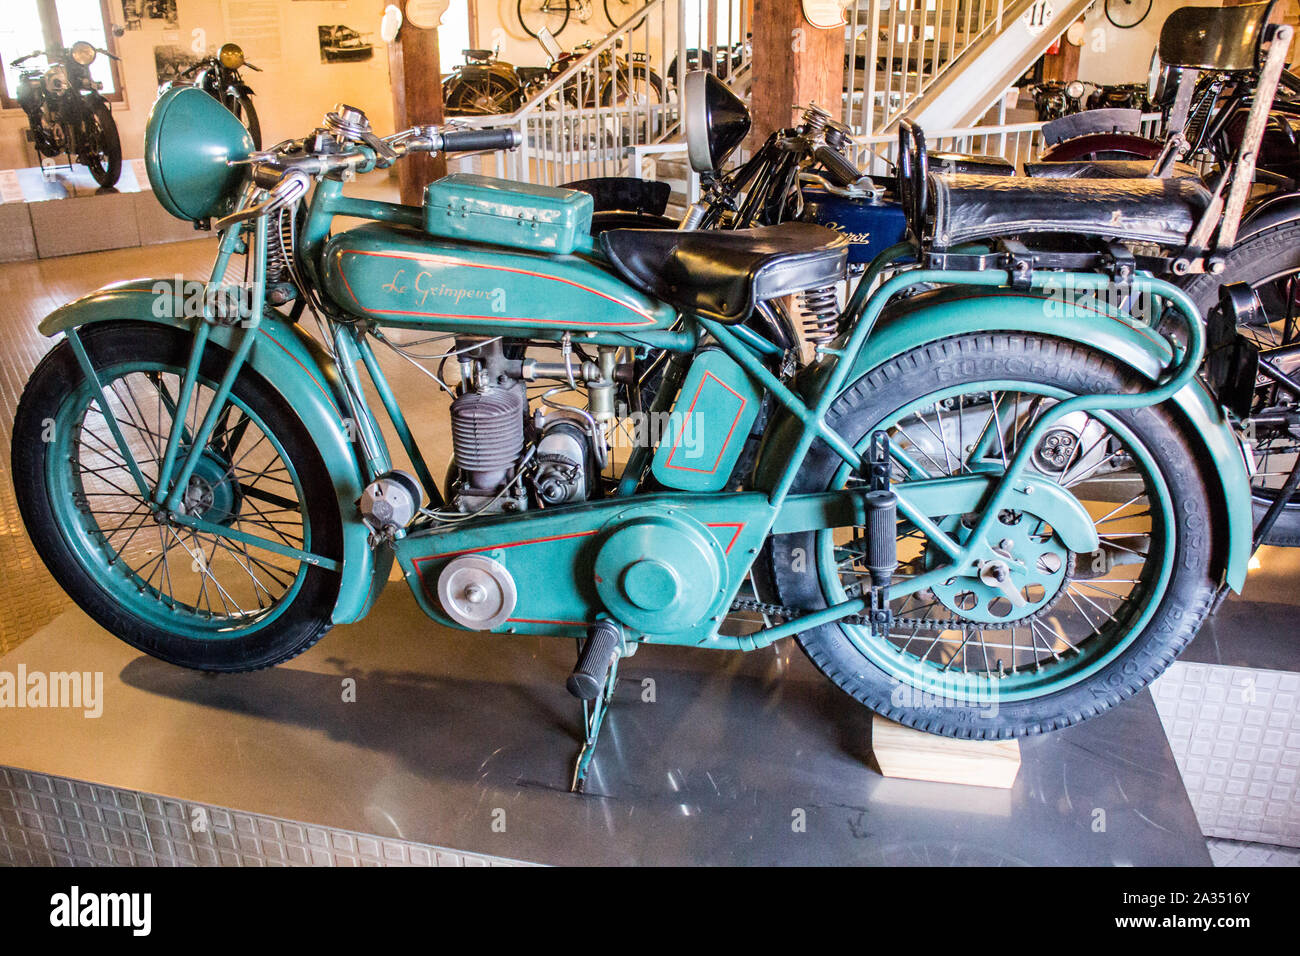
(1271, 211)
(304, 375)
(910, 323)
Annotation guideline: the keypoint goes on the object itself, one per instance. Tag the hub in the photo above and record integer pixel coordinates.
(1024, 577)
(212, 494)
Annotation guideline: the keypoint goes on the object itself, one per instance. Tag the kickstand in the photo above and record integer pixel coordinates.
(593, 718)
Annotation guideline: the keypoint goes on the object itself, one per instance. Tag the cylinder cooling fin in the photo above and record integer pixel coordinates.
(487, 433)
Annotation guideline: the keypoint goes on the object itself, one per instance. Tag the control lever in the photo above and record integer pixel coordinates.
(291, 187)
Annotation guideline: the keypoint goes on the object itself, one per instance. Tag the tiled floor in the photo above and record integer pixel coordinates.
(1236, 853)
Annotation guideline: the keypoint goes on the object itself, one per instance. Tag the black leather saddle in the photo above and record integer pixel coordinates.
(968, 208)
(532, 74)
(722, 275)
(969, 163)
(477, 54)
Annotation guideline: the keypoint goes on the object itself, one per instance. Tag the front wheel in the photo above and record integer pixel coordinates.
(241, 104)
(1057, 636)
(536, 15)
(102, 149)
(198, 599)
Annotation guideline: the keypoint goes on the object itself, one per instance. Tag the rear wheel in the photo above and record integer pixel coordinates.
(197, 599)
(1065, 635)
(482, 96)
(1268, 262)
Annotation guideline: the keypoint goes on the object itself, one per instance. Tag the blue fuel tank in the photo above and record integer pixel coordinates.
(871, 227)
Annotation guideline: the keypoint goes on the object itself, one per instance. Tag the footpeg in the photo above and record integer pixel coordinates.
(604, 641)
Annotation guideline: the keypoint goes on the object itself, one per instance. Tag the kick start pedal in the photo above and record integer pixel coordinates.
(604, 642)
(592, 682)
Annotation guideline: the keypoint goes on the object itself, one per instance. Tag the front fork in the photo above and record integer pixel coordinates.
(184, 448)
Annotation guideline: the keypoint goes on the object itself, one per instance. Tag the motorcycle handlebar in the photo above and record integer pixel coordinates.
(472, 140)
(839, 169)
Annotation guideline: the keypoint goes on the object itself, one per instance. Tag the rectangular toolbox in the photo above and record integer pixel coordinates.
(475, 208)
(708, 425)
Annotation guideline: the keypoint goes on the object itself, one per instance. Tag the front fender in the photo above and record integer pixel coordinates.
(909, 323)
(304, 375)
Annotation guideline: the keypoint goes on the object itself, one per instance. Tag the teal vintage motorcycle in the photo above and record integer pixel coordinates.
(985, 509)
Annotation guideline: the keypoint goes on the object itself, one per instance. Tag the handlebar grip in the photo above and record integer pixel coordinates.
(839, 169)
(472, 140)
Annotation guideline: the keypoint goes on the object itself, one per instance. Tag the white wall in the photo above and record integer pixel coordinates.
(1111, 55)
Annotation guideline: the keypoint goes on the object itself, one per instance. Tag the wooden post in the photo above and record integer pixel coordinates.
(1064, 64)
(417, 100)
(795, 64)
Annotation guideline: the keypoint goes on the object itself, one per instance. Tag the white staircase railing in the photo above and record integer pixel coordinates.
(898, 48)
(622, 93)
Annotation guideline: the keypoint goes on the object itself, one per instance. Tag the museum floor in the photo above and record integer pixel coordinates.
(509, 742)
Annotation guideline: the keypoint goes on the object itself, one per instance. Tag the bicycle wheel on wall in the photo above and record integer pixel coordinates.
(536, 15)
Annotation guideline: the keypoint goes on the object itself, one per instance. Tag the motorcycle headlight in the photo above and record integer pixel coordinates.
(716, 121)
(231, 56)
(1075, 89)
(83, 53)
(56, 79)
(193, 152)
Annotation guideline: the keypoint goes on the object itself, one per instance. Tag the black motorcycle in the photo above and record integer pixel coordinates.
(218, 76)
(67, 113)
(486, 86)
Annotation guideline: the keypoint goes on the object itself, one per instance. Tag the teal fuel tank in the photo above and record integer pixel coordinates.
(397, 275)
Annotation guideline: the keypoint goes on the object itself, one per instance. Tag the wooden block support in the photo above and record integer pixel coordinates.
(899, 751)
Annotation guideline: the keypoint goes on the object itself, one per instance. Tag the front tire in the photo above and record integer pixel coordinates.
(196, 599)
(241, 104)
(1057, 673)
(104, 151)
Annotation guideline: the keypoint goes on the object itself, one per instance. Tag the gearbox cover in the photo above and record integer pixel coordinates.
(659, 573)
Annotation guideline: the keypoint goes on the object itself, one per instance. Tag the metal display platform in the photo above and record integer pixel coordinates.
(428, 745)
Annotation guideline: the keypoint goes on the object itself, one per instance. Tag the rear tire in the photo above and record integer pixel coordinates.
(1173, 601)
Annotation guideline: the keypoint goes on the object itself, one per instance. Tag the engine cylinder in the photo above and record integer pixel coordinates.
(487, 435)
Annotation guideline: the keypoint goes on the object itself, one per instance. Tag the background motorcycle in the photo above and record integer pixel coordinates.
(66, 112)
(218, 76)
(484, 85)
(1211, 116)
(1055, 98)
